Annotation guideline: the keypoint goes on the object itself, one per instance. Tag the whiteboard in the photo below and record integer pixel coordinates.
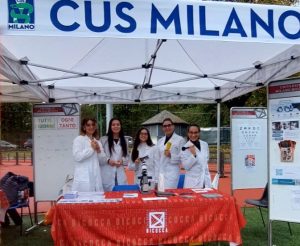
(284, 150)
(249, 148)
(54, 128)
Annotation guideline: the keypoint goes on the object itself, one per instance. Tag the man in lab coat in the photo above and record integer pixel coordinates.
(169, 148)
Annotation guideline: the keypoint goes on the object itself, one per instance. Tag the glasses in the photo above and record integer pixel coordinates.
(168, 125)
(144, 133)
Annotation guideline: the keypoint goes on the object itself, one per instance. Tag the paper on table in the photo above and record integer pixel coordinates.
(212, 195)
(154, 198)
(130, 195)
(91, 194)
(80, 200)
(70, 195)
(199, 190)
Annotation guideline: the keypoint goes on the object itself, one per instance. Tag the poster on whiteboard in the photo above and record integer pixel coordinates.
(249, 147)
(54, 128)
(284, 150)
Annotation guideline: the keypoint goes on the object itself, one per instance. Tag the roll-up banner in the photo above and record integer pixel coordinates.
(284, 150)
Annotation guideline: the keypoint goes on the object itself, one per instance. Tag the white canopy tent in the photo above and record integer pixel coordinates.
(50, 65)
(110, 70)
(159, 51)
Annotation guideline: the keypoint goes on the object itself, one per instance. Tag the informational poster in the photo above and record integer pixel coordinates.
(284, 149)
(54, 128)
(249, 148)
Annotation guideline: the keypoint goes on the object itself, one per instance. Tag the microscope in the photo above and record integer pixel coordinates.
(144, 179)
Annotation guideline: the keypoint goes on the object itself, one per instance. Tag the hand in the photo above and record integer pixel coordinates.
(118, 163)
(167, 153)
(111, 162)
(95, 146)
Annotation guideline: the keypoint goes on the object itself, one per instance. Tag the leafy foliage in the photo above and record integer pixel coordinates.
(16, 121)
(257, 98)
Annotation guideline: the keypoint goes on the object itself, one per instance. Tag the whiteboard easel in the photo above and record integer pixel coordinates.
(54, 128)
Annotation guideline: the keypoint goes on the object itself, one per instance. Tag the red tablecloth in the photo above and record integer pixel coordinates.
(137, 222)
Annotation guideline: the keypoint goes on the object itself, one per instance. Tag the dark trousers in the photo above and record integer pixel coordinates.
(14, 215)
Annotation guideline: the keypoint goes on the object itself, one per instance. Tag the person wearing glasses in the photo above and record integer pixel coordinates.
(169, 148)
(194, 158)
(143, 152)
(116, 150)
(87, 154)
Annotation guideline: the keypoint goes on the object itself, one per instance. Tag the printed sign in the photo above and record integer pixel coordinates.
(45, 123)
(21, 15)
(157, 222)
(154, 19)
(250, 161)
(70, 122)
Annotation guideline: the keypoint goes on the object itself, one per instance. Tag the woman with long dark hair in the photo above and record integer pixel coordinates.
(143, 153)
(116, 150)
(88, 153)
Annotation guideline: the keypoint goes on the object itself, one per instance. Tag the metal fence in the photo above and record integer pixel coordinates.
(15, 157)
(209, 135)
(24, 157)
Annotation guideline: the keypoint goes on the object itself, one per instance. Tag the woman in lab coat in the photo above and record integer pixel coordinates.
(115, 147)
(144, 151)
(169, 148)
(194, 158)
(87, 153)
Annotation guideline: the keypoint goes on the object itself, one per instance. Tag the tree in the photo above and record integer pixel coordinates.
(16, 121)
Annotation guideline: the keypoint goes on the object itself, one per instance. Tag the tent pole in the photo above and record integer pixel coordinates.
(109, 114)
(218, 135)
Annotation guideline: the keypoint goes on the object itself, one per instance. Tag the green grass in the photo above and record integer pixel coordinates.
(10, 236)
(254, 234)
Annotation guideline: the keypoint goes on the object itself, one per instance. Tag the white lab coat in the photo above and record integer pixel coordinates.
(196, 167)
(108, 172)
(170, 167)
(151, 162)
(87, 176)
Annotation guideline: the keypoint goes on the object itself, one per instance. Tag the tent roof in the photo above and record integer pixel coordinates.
(61, 69)
(158, 119)
(184, 71)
